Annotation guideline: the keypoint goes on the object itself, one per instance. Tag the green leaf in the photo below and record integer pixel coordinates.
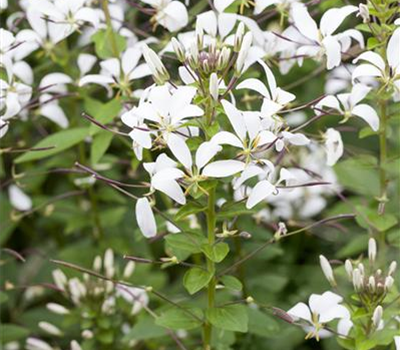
(144, 329)
(216, 252)
(104, 113)
(189, 209)
(102, 40)
(370, 216)
(180, 319)
(229, 210)
(3, 297)
(12, 332)
(196, 279)
(59, 142)
(231, 283)
(99, 146)
(262, 324)
(359, 175)
(231, 318)
(189, 242)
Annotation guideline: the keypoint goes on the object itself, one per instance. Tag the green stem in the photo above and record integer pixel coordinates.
(383, 150)
(106, 11)
(211, 223)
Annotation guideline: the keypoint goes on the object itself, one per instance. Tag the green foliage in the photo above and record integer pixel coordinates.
(196, 279)
(231, 318)
(102, 40)
(177, 319)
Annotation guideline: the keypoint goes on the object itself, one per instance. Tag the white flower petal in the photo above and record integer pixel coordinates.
(371, 57)
(18, 199)
(262, 190)
(223, 168)
(205, 152)
(145, 218)
(236, 119)
(393, 50)
(366, 70)
(227, 138)
(333, 52)
(333, 18)
(304, 22)
(300, 311)
(180, 150)
(368, 114)
(254, 84)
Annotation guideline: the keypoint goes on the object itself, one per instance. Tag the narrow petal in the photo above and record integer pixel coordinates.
(304, 22)
(300, 311)
(206, 152)
(333, 18)
(227, 138)
(236, 119)
(368, 114)
(223, 168)
(18, 199)
(332, 50)
(180, 150)
(254, 84)
(260, 191)
(145, 218)
(371, 57)
(393, 50)
(366, 70)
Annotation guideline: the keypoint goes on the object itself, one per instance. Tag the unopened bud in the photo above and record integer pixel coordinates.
(214, 91)
(388, 283)
(363, 12)
(249, 300)
(87, 334)
(223, 58)
(244, 51)
(178, 49)
(129, 269)
(199, 36)
(59, 279)
(357, 280)
(362, 269)
(245, 235)
(327, 270)
(371, 283)
(372, 250)
(349, 269)
(194, 54)
(283, 315)
(57, 309)
(238, 37)
(37, 344)
(155, 65)
(377, 316)
(75, 345)
(50, 328)
(392, 268)
(97, 263)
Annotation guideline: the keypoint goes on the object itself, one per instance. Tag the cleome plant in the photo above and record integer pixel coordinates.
(172, 170)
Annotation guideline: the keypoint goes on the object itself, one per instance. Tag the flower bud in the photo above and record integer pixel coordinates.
(194, 54)
(377, 316)
(244, 51)
(223, 58)
(37, 344)
(97, 263)
(178, 49)
(357, 280)
(362, 269)
(388, 283)
(372, 250)
(363, 12)
(50, 328)
(129, 269)
(199, 36)
(349, 269)
(75, 345)
(57, 309)
(238, 37)
(372, 283)
(214, 91)
(327, 269)
(59, 279)
(156, 67)
(87, 334)
(392, 268)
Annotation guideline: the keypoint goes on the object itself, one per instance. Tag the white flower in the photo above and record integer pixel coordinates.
(18, 199)
(348, 105)
(376, 66)
(3, 127)
(261, 5)
(321, 310)
(119, 71)
(164, 109)
(170, 14)
(69, 14)
(145, 218)
(50, 109)
(333, 146)
(275, 98)
(321, 41)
